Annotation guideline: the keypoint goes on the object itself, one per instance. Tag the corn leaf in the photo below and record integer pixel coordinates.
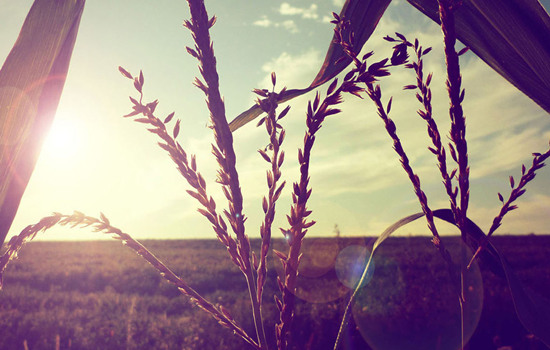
(511, 36)
(367, 270)
(532, 309)
(364, 15)
(31, 81)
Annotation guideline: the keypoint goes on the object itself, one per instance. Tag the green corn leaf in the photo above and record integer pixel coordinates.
(532, 309)
(363, 14)
(511, 36)
(31, 82)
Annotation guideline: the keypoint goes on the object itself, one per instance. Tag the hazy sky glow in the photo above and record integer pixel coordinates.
(96, 161)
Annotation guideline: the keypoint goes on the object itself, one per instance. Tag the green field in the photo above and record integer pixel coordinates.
(101, 295)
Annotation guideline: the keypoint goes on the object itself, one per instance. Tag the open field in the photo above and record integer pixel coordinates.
(100, 295)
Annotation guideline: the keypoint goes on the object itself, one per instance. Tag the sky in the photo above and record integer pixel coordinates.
(96, 161)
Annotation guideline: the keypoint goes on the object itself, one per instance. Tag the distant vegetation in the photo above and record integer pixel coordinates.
(99, 296)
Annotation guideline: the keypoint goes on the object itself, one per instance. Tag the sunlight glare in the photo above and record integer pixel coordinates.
(62, 142)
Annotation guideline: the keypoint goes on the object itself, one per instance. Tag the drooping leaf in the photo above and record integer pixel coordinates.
(532, 309)
(511, 36)
(363, 16)
(368, 271)
(31, 82)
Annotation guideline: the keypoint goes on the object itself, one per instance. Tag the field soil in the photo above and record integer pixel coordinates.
(101, 295)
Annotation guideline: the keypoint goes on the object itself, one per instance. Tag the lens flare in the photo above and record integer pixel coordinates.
(351, 264)
(322, 268)
(412, 307)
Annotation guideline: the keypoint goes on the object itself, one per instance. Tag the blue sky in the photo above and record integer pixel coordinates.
(96, 161)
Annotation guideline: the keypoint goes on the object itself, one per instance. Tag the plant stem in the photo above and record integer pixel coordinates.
(102, 224)
(458, 122)
(458, 134)
(227, 176)
(256, 310)
(269, 105)
(526, 177)
(299, 224)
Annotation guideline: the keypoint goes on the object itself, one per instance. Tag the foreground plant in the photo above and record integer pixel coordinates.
(31, 83)
(458, 194)
(228, 224)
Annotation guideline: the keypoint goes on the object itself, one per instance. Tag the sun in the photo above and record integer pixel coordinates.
(63, 140)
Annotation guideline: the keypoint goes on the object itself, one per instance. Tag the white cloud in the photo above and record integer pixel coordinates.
(265, 22)
(293, 71)
(307, 13)
(327, 19)
(531, 215)
(288, 10)
(504, 151)
(290, 26)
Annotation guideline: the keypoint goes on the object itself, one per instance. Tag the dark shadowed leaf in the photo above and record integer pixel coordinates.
(368, 270)
(532, 309)
(363, 16)
(31, 81)
(511, 36)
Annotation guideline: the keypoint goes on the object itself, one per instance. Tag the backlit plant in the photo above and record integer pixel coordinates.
(229, 224)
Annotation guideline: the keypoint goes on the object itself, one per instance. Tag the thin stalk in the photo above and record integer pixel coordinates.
(369, 77)
(256, 310)
(458, 121)
(276, 159)
(298, 221)
(295, 235)
(199, 26)
(458, 132)
(527, 175)
(103, 225)
(462, 299)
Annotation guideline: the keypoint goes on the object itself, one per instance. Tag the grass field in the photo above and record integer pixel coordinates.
(100, 295)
